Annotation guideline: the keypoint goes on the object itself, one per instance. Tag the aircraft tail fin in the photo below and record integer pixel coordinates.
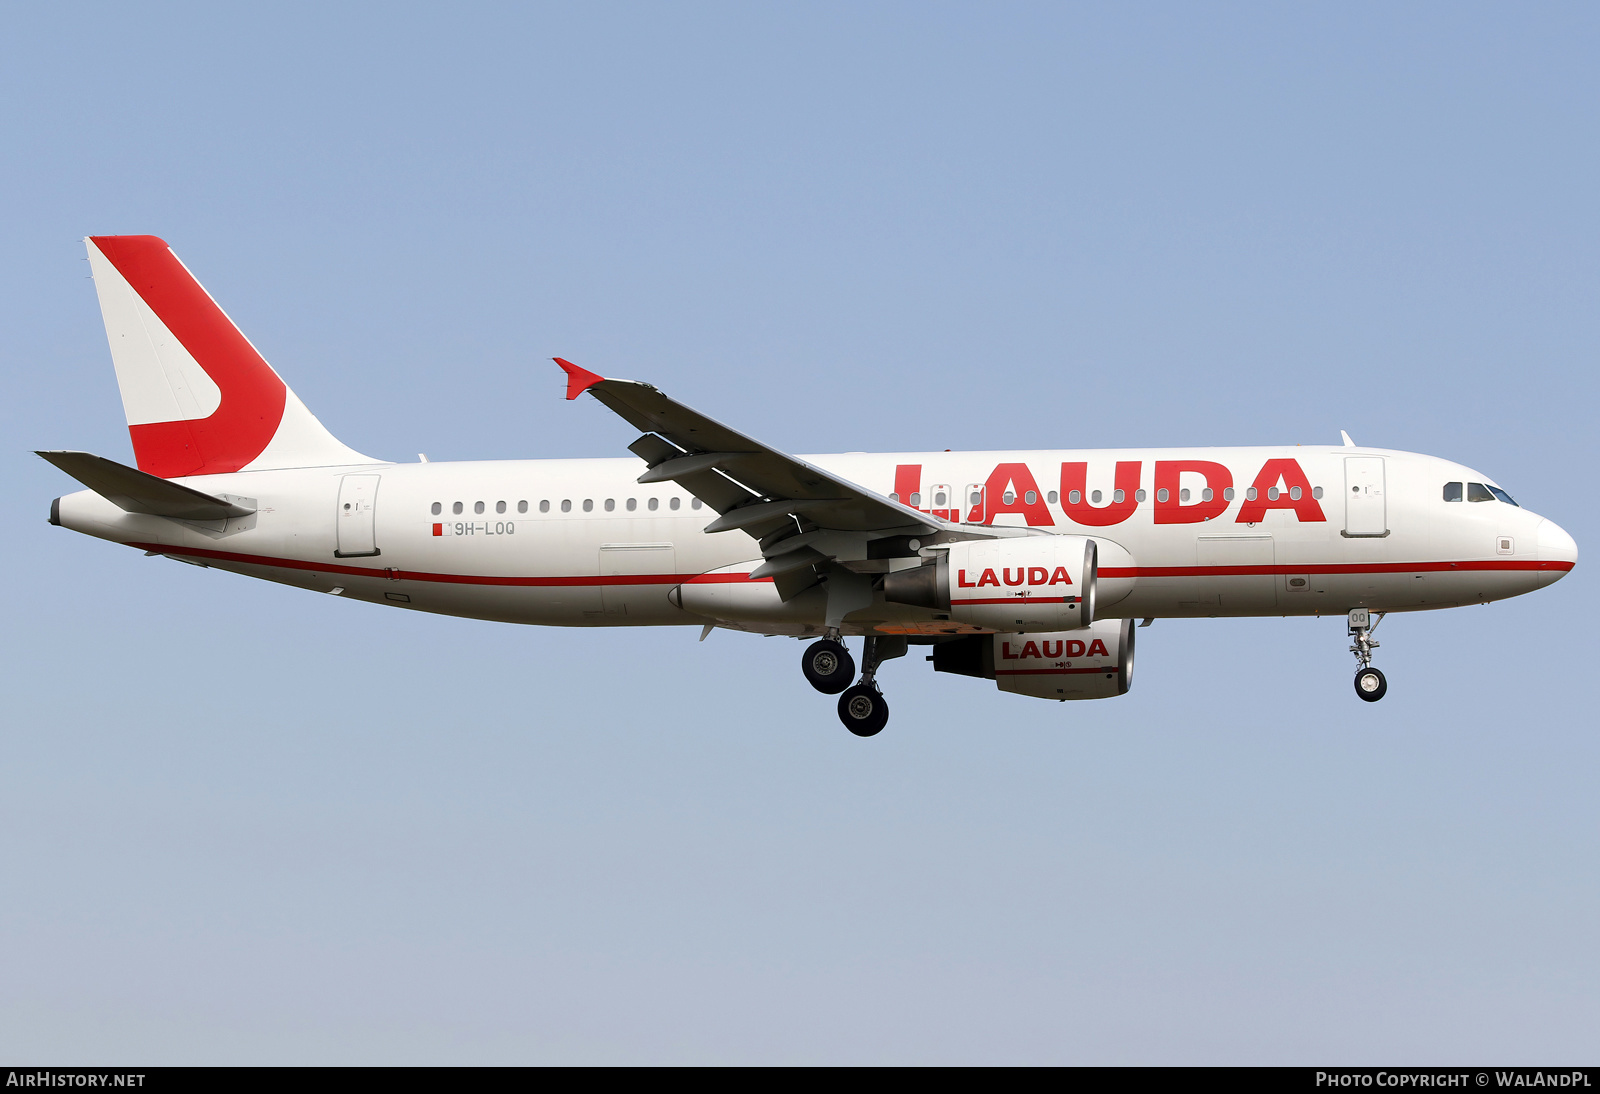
(198, 397)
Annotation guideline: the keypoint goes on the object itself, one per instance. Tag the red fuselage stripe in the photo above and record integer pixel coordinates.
(1348, 568)
(730, 578)
(447, 579)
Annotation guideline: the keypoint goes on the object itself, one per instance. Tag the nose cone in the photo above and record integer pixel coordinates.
(1558, 552)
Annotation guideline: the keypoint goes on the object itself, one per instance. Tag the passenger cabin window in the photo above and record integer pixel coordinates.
(566, 505)
(695, 504)
(499, 507)
(611, 504)
(477, 507)
(1452, 491)
(544, 507)
(588, 505)
(1051, 497)
(633, 503)
(1476, 491)
(522, 507)
(652, 504)
(674, 503)
(1138, 495)
(456, 508)
(437, 508)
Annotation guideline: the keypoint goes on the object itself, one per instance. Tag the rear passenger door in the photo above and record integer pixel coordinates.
(354, 524)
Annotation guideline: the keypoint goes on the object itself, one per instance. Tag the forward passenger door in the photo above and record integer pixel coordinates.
(1365, 507)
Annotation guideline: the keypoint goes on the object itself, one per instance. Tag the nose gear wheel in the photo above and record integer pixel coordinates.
(1370, 684)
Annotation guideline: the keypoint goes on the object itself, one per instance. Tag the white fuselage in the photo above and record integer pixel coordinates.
(581, 543)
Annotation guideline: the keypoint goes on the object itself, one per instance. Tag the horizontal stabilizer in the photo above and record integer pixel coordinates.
(138, 492)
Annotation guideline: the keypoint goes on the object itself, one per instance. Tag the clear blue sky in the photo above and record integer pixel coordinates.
(245, 823)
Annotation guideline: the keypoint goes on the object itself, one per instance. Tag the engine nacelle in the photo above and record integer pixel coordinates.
(1094, 662)
(1032, 583)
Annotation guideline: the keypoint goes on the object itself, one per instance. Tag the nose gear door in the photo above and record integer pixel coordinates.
(356, 538)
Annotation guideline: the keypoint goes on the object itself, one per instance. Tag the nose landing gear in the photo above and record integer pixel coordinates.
(1370, 683)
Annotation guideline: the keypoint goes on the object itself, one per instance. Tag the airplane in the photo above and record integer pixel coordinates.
(1027, 568)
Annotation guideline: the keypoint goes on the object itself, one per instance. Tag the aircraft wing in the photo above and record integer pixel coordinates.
(802, 514)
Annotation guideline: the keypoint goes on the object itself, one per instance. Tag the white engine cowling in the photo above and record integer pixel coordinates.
(1058, 582)
(1033, 583)
(1094, 662)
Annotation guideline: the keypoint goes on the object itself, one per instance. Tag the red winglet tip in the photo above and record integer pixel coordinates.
(579, 380)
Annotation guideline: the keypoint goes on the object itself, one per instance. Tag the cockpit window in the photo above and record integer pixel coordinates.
(1476, 491)
(1452, 491)
(1503, 496)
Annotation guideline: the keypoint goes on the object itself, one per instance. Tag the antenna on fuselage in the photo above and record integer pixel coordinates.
(1348, 443)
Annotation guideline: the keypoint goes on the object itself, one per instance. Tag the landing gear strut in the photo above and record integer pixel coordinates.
(1370, 683)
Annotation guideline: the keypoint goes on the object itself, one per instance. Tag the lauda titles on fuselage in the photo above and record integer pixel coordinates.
(1027, 568)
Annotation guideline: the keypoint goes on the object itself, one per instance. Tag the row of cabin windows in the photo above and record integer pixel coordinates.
(632, 504)
(1117, 496)
(1477, 491)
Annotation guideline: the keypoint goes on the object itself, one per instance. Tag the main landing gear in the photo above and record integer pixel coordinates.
(1370, 683)
(829, 666)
